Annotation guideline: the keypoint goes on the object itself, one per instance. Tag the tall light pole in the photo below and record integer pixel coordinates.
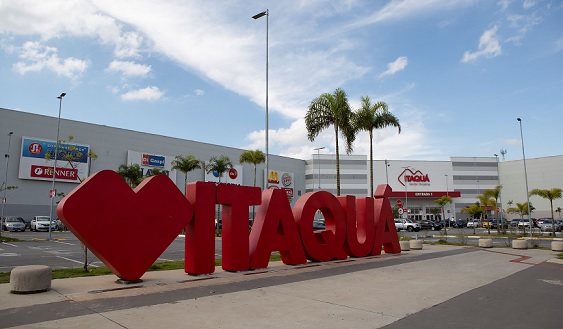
(526, 178)
(7, 156)
(386, 171)
(319, 165)
(499, 197)
(53, 192)
(267, 14)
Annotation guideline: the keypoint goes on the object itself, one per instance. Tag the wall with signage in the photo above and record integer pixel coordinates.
(233, 176)
(148, 162)
(281, 180)
(72, 160)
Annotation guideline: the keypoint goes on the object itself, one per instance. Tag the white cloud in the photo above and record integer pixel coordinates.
(151, 93)
(129, 69)
(489, 46)
(35, 57)
(60, 18)
(529, 4)
(199, 92)
(398, 65)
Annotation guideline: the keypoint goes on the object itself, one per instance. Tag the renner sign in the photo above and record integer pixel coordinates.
(103, 207)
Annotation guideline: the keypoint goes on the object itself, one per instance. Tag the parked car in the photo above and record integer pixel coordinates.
(514, 222)
(524, 223)
(41, 223)
(547, 226)
(406, 224)
(473, 223)
(319, 224)
(487, 224)
(459, 223)
(430, 225)
(13, 224)
(496, 223)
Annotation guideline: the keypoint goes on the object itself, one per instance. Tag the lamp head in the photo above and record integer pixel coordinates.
(61, 96)
(262, 14)
(496, 155)
(519, 120)
(10, 133)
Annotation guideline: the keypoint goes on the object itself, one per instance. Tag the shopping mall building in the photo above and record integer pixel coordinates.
(28, 144)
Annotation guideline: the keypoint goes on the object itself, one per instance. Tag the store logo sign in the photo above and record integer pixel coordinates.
(413, 176)
(152, 160)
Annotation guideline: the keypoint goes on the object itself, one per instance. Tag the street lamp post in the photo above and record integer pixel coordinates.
(52, 192)
(318, 164)
(257, 16)
(7, 156)
(526, 178)
(386, 171)
(406, 193)
(499, 198)
(448, 195)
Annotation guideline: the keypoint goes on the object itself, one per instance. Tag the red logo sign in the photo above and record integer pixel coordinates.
(47, 172)
(410, 176)
(354, 227)
(35, 148)
(399, 203)
(233, 173)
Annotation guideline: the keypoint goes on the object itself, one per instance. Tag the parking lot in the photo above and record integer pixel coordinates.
(64, 250)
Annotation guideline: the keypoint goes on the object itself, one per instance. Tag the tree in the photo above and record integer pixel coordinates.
(475, 211)
(494, 194)
(220, 165)
(554, 193)
(331, 109)
(370, 117)
(253, 157)
(185, 164)
(442, 202)
(485, 200)
(558, 210)
(132, 174)
(72, 156)
(520, 209)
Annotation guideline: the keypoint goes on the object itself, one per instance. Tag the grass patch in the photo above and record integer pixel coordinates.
(7, 239)
(65, 273)
(560, 256)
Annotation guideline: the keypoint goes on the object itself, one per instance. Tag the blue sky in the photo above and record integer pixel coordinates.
(457, 74)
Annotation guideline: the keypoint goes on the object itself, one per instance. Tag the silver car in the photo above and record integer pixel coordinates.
(13, 224)
(546, 226)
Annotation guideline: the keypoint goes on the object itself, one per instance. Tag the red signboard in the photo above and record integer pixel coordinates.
(399, 203)
(47, 172)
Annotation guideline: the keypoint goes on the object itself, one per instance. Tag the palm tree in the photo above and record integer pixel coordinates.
(254, 157)
(554, 193)
(485, 200)
(474, 210)
(370, 117)
(185, 165)
(220, 165)
(520, 209)
(495, 193)
(331, 109)
(132, 174)
(442, 202)
(558, 210)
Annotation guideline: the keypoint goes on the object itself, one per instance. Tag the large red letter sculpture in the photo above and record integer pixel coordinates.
(118, 224)
(199, 257)
(274, 229)
(327, 244)
(385, 231)
(236, 200)
(360, 225)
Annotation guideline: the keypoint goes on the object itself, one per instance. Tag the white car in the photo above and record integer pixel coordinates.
(13, 224)
(41, 223)
(547, 226)
(473, 223)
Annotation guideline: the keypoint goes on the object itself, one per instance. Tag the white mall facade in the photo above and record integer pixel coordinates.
(415, 184)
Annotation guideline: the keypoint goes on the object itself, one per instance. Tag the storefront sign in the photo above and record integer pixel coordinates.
(37, 160)
(413, 177)
(356, 227)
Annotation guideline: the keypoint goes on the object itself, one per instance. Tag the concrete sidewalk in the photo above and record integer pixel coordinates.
(357, 293)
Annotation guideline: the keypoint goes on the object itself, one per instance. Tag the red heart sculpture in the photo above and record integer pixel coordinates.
(126, 229)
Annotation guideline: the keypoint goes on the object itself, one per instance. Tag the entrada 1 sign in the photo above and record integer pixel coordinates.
(129, 229)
